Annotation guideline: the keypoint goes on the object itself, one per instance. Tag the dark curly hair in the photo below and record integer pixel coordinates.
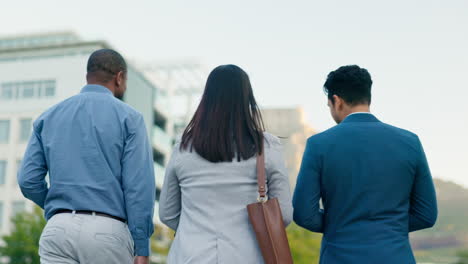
(352, 83)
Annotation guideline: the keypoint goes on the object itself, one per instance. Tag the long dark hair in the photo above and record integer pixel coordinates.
(228, 122)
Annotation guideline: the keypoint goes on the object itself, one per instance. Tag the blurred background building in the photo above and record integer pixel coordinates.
(290, 125)
(182, 83)
(41, 70)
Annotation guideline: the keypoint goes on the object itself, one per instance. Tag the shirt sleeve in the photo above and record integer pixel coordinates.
(138, 184)
(306, 200)
(278, 180)
(31, 176)
(170, 200)
(423, 203)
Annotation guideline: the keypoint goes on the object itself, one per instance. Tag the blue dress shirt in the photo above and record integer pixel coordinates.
(96, 151)
(375, 185)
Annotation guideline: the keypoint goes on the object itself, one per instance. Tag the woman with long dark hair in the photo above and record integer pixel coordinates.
(211, 176)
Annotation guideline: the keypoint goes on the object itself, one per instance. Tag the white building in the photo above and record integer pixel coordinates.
(38, 71)
(183, 83)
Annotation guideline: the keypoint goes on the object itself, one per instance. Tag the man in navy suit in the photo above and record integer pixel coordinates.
(373, 179)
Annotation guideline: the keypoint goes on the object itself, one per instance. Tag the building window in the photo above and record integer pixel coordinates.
(49, 88)
(158, 157)
(6, 92)
(159, 120)
(4, 131)
(16, 90)
(27, 90)
(18, 207)
(3, 165)
(25, 129)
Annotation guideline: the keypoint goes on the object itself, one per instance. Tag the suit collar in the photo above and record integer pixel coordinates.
(360, 117)
(95, 88)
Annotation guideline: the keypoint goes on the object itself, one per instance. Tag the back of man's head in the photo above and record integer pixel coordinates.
(108, 68)
(104, 64)
(351, 83)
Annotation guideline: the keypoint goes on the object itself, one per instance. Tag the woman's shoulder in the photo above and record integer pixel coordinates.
(176, 149)
(271, 140)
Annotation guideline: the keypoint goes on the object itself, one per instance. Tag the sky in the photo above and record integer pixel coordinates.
(416, 52)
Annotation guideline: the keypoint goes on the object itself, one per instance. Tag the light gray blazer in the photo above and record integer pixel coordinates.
(206, 203)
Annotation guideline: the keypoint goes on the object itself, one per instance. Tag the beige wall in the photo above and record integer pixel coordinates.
(290, 126)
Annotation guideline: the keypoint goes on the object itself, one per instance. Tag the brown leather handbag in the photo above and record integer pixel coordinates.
(267, 221)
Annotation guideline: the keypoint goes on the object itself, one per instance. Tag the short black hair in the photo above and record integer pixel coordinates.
(106, 63)
(352, 83)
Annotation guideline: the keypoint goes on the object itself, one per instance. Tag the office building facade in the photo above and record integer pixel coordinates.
(39, 71)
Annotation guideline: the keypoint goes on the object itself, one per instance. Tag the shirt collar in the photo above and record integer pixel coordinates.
(95, 88)
(357, 113)
(360, 117)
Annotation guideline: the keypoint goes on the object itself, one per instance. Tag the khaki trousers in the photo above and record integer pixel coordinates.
(77, 238)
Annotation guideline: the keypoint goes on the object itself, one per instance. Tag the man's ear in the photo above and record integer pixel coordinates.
(119, 78)
(337, 102)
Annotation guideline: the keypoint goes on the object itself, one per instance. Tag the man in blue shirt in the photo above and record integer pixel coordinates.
(96, 151)
(373, 179)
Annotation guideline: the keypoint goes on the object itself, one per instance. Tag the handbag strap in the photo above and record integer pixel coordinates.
(261, 177)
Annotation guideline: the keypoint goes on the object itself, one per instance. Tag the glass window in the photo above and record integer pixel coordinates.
(7, 91)
(4, 131)
(18, 207)
(49, 88)
(1, 215)
(3, 165)
(25, 129)
(16, 90)
(40, 89)
(28, 90)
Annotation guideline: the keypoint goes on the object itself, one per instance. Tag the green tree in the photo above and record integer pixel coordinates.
(305, 245)
(22, 244)
(462, 257)
(161, 241)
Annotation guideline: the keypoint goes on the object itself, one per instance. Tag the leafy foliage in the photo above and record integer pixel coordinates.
(305, 245)
(22, 244)
(462, 257)
(161, 240)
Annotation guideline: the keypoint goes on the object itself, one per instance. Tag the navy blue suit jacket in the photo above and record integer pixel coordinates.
(375, 186)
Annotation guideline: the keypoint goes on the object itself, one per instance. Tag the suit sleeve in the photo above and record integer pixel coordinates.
(306, 200)
(170, 200)
(278, 181)
(138, 184)
(423, 203)
(31, 176)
